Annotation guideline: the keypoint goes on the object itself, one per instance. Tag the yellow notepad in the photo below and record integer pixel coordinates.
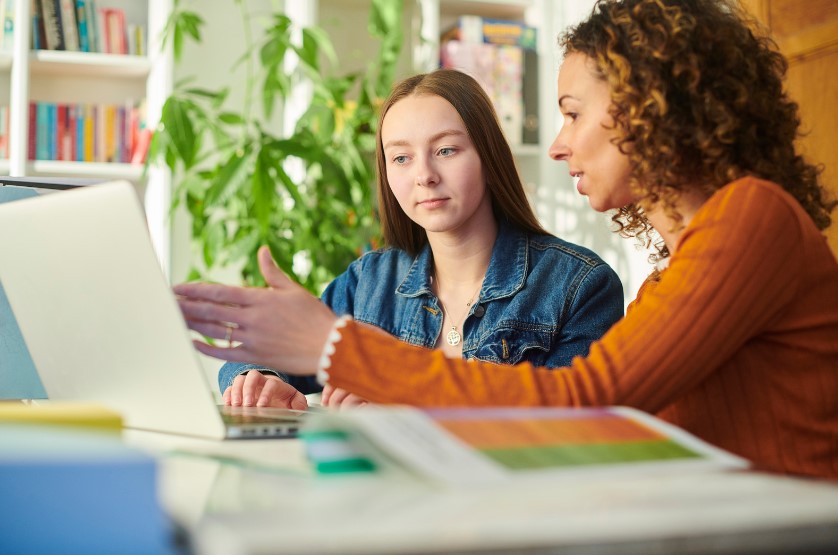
(60, 413)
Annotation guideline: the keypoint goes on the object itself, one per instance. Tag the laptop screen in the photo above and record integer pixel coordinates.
(18, 378)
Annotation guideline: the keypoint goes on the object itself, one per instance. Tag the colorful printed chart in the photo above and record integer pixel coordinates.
(525, 440)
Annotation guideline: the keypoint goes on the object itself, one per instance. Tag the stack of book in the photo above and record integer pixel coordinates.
(502, 56)
(86, 132)
(81, 26)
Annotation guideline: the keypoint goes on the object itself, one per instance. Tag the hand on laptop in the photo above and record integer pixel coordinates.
(255, 389)
(280, 326)
(336, 398)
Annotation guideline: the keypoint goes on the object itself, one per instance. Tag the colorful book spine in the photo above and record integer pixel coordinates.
(33, 126)
(84, 34)
(89, 117)
(37, 25)
(79, 109)
(53, 33)
(69, 26)
(92, 25)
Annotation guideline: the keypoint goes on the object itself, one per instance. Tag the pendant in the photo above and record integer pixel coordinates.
(453, 337)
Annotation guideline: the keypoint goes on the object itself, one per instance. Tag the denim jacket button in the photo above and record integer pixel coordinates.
(479, 311)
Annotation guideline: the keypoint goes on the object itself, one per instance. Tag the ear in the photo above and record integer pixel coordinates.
(274, 277)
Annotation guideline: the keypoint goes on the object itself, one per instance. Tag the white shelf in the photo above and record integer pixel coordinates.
(497, 9)
(130, 172)
(86, 64)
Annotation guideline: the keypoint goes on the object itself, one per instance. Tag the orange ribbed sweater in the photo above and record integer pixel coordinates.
(737, 343)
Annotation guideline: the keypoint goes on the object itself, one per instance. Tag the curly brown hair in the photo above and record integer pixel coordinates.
(698, 101)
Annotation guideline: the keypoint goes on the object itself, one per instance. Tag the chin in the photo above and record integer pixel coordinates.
(599, 206)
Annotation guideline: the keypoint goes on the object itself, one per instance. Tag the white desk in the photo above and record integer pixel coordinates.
(259, 496)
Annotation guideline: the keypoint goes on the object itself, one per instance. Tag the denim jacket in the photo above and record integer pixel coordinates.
(543, 301)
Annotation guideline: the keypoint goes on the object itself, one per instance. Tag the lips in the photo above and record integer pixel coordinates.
(433, 202)
(577, 180)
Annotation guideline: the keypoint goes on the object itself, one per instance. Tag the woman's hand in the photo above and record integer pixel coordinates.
(280, 326)
(255, 389)
(337, 398)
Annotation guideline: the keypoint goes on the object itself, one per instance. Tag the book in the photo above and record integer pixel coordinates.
(38, 39)
(60, 413)
(69, 26)
(93, 30)
(462, 447)
(79, 491)
(531, 126)
(473, 28)
(53, 30)
(81, 17)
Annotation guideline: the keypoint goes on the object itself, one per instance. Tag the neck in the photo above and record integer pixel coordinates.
(670, 231)
(461, 261)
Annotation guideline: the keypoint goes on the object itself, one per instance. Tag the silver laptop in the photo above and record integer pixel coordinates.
(101, 321)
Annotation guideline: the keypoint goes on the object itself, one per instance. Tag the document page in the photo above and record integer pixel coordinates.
(470, 446)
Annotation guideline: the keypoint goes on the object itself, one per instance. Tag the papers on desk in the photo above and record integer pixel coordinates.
(472, 446)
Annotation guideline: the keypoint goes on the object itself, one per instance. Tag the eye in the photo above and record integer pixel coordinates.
(571, 115)
(446, 151)
(400, 159)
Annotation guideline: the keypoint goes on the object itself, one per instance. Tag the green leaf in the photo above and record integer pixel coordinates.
(231, 118)
(229, 179)
(178, 125)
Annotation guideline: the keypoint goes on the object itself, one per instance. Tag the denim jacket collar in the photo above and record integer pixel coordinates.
(505, 276)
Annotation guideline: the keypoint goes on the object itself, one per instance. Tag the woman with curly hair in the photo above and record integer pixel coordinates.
(675, 117)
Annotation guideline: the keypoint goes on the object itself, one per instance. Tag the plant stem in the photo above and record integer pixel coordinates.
(248, 84)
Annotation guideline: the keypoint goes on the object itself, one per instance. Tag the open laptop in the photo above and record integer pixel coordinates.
(102, 323)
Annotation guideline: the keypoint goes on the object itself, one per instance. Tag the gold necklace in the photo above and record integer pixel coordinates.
(453, 337)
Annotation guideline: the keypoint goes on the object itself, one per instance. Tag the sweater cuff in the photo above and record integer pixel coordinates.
(329, 350)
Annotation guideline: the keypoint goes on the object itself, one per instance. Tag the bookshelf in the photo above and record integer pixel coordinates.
(425, 22)
(77, 78)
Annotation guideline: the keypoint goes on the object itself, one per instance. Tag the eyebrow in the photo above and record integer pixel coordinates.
(564, 97)
(434, 138)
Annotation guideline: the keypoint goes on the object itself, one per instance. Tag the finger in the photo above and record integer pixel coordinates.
(326, 394)
(353, 401)
(225, 397)
(338, 395)
(277, 393)
(236, 391)
(274, 277)
(254, 381)
(213, 293)
(299, 402)
(199, 312)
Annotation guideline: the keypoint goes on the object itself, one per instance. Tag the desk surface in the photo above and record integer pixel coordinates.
(259, 496)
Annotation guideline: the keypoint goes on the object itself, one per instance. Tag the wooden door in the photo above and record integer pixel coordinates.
(807, 32)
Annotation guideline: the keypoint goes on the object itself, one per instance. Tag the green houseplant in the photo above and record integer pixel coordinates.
(231, 173)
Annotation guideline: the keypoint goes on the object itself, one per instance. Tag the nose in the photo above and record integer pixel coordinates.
(559, 150)
(426, 175)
